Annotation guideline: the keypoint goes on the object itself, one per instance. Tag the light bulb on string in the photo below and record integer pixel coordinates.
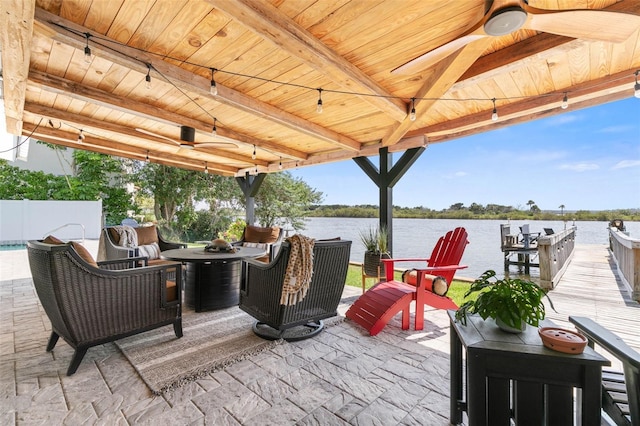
(636, 88)
(214, 87)
(494, 114)
(565, 101)
(80, 136)
(147, 79)
(214, 132)
(412, 114)
(206, 168)
(253, 156)
(280, 164)
(319, 105)
(87, 49)
(147, 157)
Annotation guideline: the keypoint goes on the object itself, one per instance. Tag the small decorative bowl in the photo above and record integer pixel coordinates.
(562, 340)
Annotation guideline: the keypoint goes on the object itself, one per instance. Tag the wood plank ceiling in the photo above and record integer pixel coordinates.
(269, 58)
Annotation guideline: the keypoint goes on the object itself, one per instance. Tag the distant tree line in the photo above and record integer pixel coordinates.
(475, 211)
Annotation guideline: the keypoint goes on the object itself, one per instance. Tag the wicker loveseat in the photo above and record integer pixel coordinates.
(111, 248)
(260, 293)
(91, 304)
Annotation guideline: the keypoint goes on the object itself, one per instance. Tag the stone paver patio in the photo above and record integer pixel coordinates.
(343, 376)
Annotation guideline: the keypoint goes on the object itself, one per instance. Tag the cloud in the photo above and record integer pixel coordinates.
(563, 119)
(579, 167)
(456, 175)
(624, 164)
(617, 129)
(540, 156)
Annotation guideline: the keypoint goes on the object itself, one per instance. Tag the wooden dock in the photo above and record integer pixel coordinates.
(591, 287)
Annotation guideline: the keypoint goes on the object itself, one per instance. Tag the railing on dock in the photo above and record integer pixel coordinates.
(626, 252)
(554, 252)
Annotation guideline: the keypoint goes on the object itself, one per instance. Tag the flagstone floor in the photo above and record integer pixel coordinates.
(342, 376)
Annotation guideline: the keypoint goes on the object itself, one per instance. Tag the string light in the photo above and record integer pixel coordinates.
(148, 77)
(87, 49)
(494, 115)
(147, 157)
(565, 101)
(214, 132)
(412, 115)
(87, 35)
(206, 168)
(253, 156)
(256, 170)
(280, 164)
(319, 107)
(214, 87)
(80, 136)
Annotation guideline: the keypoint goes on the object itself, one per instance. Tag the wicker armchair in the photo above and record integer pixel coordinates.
(114, 251)
(261, 290)
(89, 305)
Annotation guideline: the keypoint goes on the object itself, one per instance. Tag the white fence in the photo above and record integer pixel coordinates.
(23, 220)
(554, 253)
(626, 252)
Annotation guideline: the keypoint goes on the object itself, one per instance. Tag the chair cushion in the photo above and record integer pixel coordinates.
(79, 248)
(257, 234)
(147, 235)
(172, 291)
(152, 251)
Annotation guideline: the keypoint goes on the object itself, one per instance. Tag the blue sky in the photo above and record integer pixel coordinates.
(586, 159)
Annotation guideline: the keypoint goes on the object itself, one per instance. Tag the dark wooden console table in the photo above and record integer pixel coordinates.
(515, 376)
(213, 279)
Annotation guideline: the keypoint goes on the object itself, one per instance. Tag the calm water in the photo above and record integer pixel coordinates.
(416, 237)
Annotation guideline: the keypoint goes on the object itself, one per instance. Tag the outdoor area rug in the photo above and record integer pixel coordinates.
(210, 342)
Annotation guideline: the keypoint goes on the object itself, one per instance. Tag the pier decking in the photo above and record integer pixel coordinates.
(343, 376)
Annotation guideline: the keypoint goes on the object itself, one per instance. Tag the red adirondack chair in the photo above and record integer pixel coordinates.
(383, 301)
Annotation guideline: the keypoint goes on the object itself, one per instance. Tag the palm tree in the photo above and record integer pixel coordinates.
(561, 207)
(531, 203)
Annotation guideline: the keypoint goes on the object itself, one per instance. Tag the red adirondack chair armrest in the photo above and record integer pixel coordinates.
(389, 265)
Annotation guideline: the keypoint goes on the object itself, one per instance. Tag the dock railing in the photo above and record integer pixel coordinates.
(554, 253)
(626, 252)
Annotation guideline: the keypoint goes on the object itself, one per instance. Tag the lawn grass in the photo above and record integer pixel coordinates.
(456, 289)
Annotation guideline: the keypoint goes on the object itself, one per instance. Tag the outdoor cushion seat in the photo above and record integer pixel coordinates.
(89, 304)
(150, 244)
(267, 238)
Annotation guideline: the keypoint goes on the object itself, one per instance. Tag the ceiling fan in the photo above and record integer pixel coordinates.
(187, 139)
(507, 16)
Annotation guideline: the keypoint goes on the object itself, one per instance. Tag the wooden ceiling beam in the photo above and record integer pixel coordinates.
(16, 21)
(53, 26)
(445, 74)
(78, 91)
(535, 115)
(620, 81)
(271, 24)
(104, 146)
(81, 122)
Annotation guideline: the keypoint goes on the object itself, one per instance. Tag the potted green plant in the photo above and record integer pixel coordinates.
(512, 303)
(376, 248)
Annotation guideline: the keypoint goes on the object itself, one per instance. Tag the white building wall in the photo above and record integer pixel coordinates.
(23, 220)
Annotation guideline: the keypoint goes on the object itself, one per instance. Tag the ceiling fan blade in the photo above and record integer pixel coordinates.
(436, 55)
(210, 144)
(156, 135)
(596, 25)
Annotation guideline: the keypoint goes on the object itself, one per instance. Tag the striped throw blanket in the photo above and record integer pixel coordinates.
(297, 277)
